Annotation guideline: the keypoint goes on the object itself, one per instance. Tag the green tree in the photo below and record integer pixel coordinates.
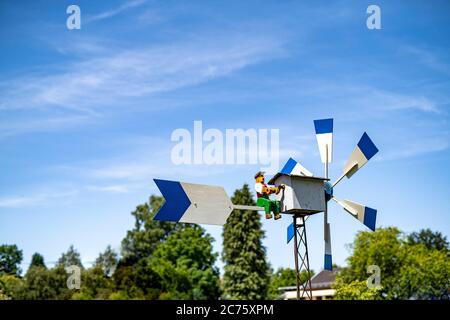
(425, 273)
(107, 261)
(128, 282)
(407, 271)
(142, 240)
(185, 265)
(95, 284)
(10, 259)
(285, 277)
(37, 260)
(58, 282)
(380, 248)
(355, 290)
(134, 277)
(37, 285)
(70, 258)
(165, 260)
(40, 283)
(10, 286)
(3, 296)
(247, 273)
(430, 239)
(119, 295)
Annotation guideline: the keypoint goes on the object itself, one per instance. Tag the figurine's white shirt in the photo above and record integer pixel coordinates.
(259, 187)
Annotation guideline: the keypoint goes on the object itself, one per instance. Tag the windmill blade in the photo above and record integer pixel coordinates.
(365, 215)
(294, 168)
(193, 203)
(363, 152)
(324, 136)
(290, 232)
(328, 261)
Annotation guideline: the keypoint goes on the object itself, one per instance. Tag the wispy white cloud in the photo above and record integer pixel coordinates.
(92, 84)
(45, 124)
(426, 57)
(415, 148)
(367, 99)
(115, 11)
(131, 171)
(384, 100)
(34, 199)
(146, 158)
(81, 45)
(52, 195)
(388, 100)
(150, 17)
(117, 188)
(125, 170)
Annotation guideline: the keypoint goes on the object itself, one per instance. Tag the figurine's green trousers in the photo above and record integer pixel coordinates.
(269, 205)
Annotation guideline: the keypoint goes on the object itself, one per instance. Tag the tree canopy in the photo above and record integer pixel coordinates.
(70, 258)
(247, 272)
(10, 259)
(164, 260)
(107, 261)
(408, 269)
(430, 239)
(37, 260)
(147, 234)
(285, 277)
(185, 265)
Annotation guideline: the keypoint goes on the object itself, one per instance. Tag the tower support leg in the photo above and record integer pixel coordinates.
(301, 258)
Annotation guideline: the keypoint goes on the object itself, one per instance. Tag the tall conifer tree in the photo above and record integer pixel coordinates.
(246, 269)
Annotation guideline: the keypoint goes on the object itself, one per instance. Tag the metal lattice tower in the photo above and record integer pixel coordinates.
(304, 290)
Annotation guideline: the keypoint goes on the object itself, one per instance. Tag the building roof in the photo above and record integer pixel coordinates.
(323, 280)
(275, 177)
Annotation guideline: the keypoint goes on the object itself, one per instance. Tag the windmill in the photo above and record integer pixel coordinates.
(304, 195)
(294, 174)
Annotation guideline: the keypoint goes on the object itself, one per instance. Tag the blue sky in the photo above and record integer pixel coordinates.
(86, 115)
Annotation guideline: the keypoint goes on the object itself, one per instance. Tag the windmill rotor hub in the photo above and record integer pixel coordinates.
(328, 187)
